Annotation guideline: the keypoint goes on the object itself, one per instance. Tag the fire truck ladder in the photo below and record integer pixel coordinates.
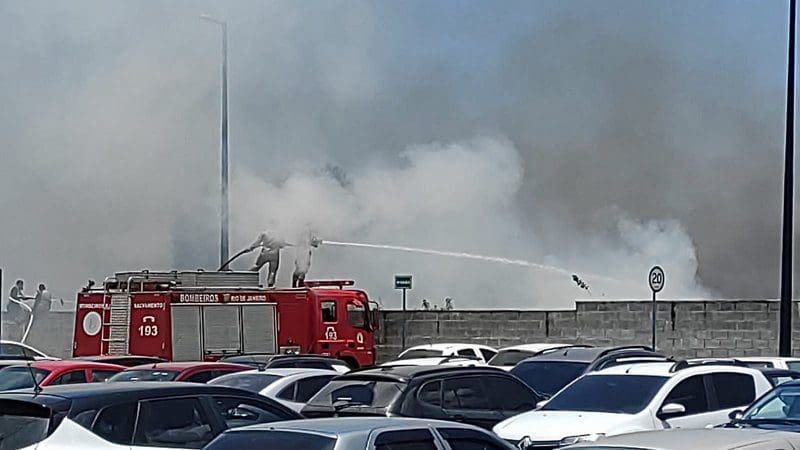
(116, 324)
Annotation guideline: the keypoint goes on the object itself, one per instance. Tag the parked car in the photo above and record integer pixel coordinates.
(272, 361)
(124, 360)
(779, 376)
(194, 372)
(292, 387)
(779, 409)
(360, 434)
(548, 373)
(19, 350)
(47, 373)
(771, 361)
(481, 396)
(636, 397)
(421, 355)
(132, 416)
(705, 439)
(508, 357)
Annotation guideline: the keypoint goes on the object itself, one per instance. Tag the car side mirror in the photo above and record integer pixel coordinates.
(541, 404)
(671, 410)
(736, 414)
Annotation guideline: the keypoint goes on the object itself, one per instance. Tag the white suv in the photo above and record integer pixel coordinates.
(636, 397)
(444, 354)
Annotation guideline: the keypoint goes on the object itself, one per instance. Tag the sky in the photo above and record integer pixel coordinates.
(600, 137)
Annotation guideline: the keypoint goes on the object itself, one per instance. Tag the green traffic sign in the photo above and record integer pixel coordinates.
(402, 281)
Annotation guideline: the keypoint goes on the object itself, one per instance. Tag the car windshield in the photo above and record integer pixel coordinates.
(623, 394)
(548, 377)
(253, 382)
(782, 403)
(20, 377)
(510, 357)
(271, 439)
(22, 424)
(145, 375)
(375, 394)
(420, 353)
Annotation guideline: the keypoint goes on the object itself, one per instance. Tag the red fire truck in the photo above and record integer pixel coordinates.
(191, 316)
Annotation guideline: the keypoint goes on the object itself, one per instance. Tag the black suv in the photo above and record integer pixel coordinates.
(272, 361)
(153, 414)
(550, 371)
(481, 396)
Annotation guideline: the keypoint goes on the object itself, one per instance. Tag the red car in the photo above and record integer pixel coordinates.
(48, 373)
(195, 372)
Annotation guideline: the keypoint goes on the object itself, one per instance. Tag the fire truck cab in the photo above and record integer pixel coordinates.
(198, 315)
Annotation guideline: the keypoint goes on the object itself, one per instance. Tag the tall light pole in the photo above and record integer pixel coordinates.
(785, 340)
(223, 146)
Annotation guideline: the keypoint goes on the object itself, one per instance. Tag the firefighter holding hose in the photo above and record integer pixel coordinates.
(271, 244)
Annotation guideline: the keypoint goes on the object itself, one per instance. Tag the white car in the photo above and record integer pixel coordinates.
(14, 349)
(508, 357)
(771, 361)
(292, 387)
(636, 397)
(444, 354)
(706, 439)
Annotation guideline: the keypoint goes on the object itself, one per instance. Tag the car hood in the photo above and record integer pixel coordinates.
(556, 425)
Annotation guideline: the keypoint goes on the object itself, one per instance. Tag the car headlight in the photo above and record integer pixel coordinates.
(569, 440)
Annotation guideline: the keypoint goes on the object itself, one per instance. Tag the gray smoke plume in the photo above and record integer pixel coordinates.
(591, 135)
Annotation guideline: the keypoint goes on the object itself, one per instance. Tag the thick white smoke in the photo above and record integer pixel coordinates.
(458, 196)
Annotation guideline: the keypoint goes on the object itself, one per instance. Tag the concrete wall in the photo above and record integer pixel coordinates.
(684, 328)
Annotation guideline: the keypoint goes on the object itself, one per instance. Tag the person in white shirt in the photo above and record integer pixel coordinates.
(302, 260)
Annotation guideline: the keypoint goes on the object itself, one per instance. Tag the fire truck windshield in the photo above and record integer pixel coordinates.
(145, 375)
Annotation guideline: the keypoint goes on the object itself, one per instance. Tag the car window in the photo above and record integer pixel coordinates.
(99, 376)
(413, 439)
(376, 394)
(19, 377)
(24, 424)
(13, 350)
(328, 311)
(239, 412)
(759, 364)
(115, 423)
(308, 387)
(431, 393)
(691, 393)
(508, 394)
(510, 358)
(548, 377)
(464, 393)
(287, 393)
(420, 353)
(619, 394)
(468, 352)
(201, 377)
(179, 422)
(733, 389)
(779, 403)
(145, 375)
(793, 365)
(356, 315)
(74, 377)
(253, 382)
(312, 365)
(466, 439)
(283, 364)
(487, 354)
(245, 439)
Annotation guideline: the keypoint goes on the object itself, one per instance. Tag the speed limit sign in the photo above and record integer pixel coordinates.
(656, 279)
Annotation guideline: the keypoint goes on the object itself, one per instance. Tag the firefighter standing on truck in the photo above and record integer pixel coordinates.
(271, 244)
(16, 306)
(302, 260)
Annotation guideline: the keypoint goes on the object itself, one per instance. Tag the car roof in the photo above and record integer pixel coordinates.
(345, 425)
(668, 369)
(139, 389)
(448, 346)
(684, 438)
(773, 372)
(537, 347)
(766, 358)
(405, 373)
(62, 364)
(283, 372)
(181, 366)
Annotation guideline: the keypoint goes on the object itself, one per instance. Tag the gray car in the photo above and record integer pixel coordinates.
(706, 439)
(360, 433)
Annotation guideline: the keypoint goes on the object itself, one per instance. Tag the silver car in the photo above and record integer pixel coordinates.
(360, 433)
(706, 439)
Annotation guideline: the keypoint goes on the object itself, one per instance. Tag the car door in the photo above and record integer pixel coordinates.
(692, 393)
(508, 396)
(730, 391)
(174, 423)
(464, 399)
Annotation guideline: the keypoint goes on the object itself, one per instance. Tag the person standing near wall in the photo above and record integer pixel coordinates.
(19, 313)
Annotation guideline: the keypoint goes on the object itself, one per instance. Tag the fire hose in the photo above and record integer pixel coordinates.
(231, 259)
(30, 317)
